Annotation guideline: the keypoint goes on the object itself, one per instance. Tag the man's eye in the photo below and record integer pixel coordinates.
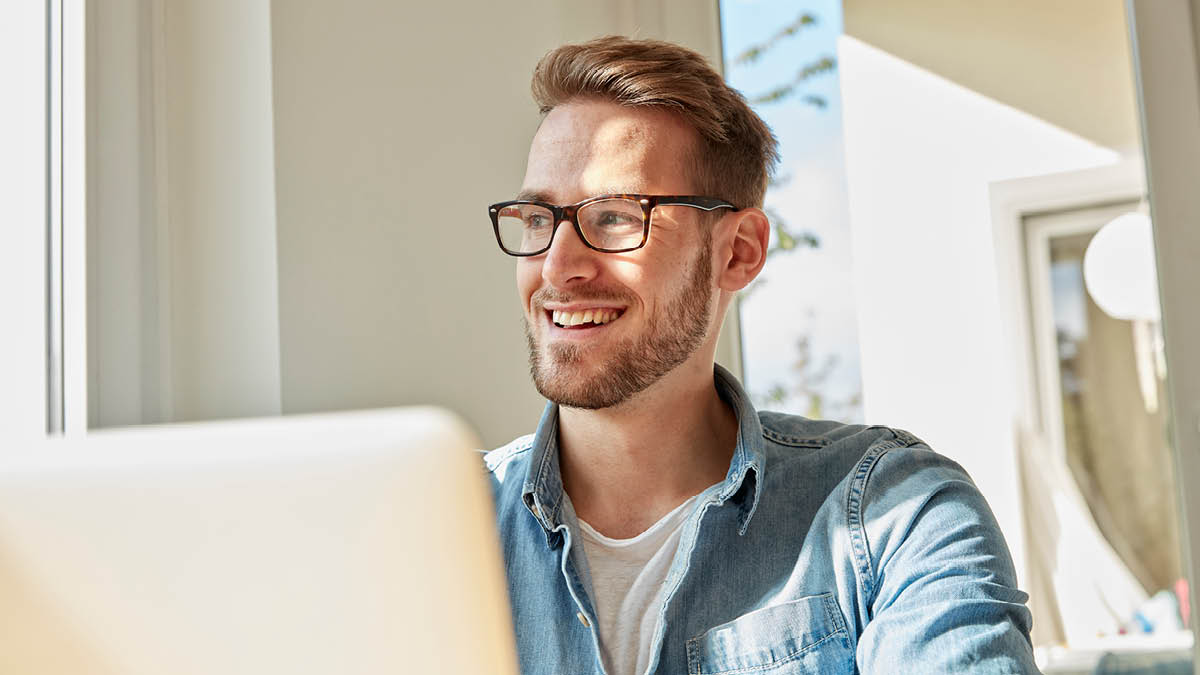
(617, 219)
(536, 221)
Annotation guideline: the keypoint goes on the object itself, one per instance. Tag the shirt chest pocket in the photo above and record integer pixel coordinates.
(807, 635)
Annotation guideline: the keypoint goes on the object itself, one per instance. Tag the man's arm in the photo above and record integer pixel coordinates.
(941, 588)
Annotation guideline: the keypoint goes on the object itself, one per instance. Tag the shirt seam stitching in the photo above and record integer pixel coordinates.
(841, 632)
(855, 499)
(795, 441)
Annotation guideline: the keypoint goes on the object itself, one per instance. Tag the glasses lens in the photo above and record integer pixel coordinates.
(613, 224)
(525, 228)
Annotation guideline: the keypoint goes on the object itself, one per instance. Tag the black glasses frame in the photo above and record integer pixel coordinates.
(570, 213)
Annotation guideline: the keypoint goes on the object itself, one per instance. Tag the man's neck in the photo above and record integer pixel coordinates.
(626, 467)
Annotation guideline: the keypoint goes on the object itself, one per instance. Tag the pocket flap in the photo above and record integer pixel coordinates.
(806, 629)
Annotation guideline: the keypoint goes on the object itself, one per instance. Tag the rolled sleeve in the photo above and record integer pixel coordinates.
(940, 583)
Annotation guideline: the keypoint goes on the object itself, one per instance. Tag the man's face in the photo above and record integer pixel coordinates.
(660, 295)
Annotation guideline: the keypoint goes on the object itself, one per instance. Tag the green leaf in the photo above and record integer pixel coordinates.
(822, 66)
(784, 239)
(755, 52)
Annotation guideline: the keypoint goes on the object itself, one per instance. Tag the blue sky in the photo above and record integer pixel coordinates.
(805, 291)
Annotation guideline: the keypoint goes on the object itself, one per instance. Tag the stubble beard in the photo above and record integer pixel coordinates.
(669, 339)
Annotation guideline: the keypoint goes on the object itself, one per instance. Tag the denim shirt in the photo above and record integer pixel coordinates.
(828, 548)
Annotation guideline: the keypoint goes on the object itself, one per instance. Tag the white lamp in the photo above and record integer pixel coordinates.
(1120, 275)
(1119, 271)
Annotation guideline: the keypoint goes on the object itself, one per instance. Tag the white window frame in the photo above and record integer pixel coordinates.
(44, 281)
(1039, 230)
(26, 48)
(1026, 214)
(1013, 203)
(72, 220)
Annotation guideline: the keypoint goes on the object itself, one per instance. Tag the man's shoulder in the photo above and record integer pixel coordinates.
(867, 456)
(796, 431)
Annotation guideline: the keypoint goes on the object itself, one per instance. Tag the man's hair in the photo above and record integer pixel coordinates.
(737, 152)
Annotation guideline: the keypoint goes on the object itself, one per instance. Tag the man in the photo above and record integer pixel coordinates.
(655, 522)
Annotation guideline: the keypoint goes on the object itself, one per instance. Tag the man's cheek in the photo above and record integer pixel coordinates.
(526, 283)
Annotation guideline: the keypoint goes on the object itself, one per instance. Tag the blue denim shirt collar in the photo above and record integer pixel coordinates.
(543, 489)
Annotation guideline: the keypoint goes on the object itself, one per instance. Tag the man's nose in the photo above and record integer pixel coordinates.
(569, 260)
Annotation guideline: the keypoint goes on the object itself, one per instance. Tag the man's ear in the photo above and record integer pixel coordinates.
(743, 251)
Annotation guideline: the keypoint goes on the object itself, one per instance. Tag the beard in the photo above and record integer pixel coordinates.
(634, 364)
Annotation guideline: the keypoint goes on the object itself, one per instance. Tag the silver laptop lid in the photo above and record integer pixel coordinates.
(358, 542)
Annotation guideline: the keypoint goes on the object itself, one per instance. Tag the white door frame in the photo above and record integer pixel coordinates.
(1165, 35)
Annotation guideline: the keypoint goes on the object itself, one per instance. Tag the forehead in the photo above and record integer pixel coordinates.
(584, 148)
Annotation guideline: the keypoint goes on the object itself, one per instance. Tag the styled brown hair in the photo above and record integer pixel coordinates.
(737, 153)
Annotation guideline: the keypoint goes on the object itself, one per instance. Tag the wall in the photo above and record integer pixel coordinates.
(1066, 62)
(1194, 8)
(396, 124)
(924, 266)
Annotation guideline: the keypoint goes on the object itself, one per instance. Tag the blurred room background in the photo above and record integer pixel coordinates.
(263, 208)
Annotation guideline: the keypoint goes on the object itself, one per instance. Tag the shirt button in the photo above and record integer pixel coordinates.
(583, 619)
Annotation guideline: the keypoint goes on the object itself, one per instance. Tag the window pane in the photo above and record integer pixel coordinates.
(799, 333)
(1114, 426)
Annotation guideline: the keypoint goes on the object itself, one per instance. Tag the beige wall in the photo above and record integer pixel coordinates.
(395, 125)
(1195, 8)
(1066, 61)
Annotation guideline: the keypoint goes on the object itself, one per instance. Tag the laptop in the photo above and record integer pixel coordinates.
(360, 542)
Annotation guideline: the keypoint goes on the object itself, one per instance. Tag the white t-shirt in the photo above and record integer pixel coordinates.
(628, 581)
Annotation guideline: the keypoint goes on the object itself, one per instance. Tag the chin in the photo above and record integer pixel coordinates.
(586, 397)
(570, 381)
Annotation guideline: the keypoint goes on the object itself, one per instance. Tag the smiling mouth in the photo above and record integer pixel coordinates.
(587, 318)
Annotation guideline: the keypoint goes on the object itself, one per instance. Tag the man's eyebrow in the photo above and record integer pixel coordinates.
(540, 196)
(533, 196)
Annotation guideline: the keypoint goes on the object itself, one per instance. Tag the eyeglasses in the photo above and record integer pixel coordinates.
(606, 223)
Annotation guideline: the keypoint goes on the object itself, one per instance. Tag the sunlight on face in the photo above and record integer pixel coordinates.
(662, 294)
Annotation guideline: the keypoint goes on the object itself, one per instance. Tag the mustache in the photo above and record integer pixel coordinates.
(584, 293)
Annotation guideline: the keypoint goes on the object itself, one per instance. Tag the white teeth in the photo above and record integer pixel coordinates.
(596, 316)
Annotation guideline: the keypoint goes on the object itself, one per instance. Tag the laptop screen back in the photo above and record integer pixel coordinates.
(356, 542)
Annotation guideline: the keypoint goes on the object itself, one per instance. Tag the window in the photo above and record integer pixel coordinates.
(799, 329)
